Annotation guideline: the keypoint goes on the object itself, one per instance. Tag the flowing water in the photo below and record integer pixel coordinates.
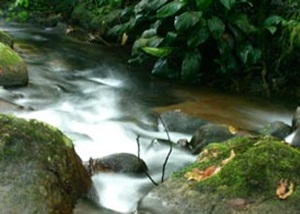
(90, 93)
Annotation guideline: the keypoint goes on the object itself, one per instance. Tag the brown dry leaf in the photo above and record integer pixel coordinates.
(284, 190)
(232, 155)
(198, 175)
(195, 175)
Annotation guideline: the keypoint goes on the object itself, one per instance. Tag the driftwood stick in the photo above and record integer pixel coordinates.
(170, 150)
(139, 153)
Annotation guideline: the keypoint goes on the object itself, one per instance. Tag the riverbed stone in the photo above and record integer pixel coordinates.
(13, 69)
(40, 171)
(209, 133)
(6, 39)
(296, 119)
(118, 162)
(247, 182)
(177, 121)
(277, 129)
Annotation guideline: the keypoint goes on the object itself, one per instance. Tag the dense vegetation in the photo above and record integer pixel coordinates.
(241, 45)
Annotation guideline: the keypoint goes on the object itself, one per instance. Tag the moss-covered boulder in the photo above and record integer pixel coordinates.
(250, 180)
(13, 69)
(5, 38)
(40, 171)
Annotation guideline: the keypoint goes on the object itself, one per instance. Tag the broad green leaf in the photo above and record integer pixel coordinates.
(161, 68)
(249, 55)
(216, 27)
(190, 65)
(198, 36)
(202, 5)
(158, 52)
(272, 20)
(242, 22)
(170, 39)
(154, 5)
(228, 3)
(145, 42)
(186, 20)
(272, 29)
(170, 9)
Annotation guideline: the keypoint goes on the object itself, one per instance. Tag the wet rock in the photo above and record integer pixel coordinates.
(209, 133)
(177, 121)
(119, 162)
(296, 119)
(295, 141)
(246, 184)
(40, 171)
(277, 129)
(13, 70)
(6, 39)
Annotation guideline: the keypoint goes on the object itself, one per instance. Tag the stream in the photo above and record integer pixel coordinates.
(92, 95)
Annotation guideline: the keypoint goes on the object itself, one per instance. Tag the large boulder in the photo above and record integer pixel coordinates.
(246, 174)
(40, 171)
(13, 70)
(209, 133)
(6, 39)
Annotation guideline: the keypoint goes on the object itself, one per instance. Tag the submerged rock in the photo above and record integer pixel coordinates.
(249, 182)
(13, 70)
(119, 162)
(40, 171)
(177, 121)
(209, 133)
(277, 129)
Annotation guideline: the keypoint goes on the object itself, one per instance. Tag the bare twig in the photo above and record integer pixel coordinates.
(139, 151)
(170, 150)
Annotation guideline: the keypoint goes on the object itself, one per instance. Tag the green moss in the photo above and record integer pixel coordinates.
(8, 56)
(256, 170)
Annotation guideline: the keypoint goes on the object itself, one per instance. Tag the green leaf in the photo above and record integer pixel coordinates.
(170, 9)
(202, 5)
(145, 42)
(186, 20)
(190, 65)
(154, 5)
(162, 68)
(198, 35)
(272, 29)
(242, 22)
(272, 20)
(228, 3)
(216, 27)
(158, 52)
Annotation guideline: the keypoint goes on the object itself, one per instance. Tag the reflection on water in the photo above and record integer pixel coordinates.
(103, 105)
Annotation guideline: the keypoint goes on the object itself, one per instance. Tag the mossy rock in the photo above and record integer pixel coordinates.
(246, 183)
(5, 38)
(13, 70)
(40, 171)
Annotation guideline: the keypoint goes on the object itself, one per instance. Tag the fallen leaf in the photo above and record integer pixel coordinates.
(284, 190)
(232, 155)
(232, 129)
(124, 39)
(209, 171)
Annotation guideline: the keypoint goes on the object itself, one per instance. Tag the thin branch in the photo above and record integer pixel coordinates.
(170, 150)
(139, 151)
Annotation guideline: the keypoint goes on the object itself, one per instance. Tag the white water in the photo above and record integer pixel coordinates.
(102, 105)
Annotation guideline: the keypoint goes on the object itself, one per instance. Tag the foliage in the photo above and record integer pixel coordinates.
(206, 41)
